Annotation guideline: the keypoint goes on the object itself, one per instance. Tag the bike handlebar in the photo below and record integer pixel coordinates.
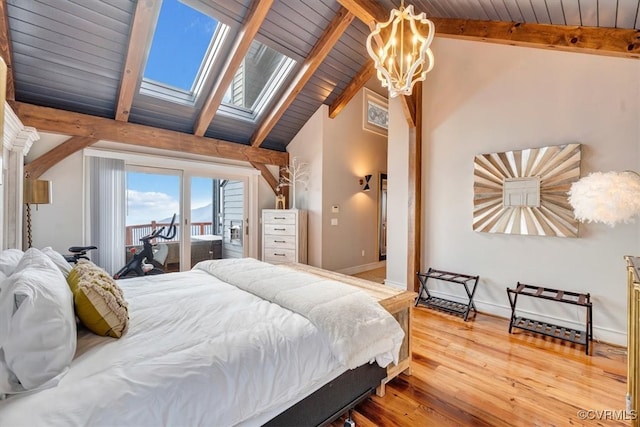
(158, 232)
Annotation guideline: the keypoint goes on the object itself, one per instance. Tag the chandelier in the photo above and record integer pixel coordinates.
(403, 57)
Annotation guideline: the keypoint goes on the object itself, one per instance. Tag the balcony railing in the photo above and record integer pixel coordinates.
(135, 232)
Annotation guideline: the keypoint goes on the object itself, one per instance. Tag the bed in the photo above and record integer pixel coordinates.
(231, 342)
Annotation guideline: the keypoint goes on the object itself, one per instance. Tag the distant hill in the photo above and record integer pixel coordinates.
(203, 214)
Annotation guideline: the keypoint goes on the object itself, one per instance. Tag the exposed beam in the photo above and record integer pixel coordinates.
(255, 17)
(366, 72)
(414, 239)
(366, 10)
(35, 169)
(319, 52)
(75, 124)
(141, 32)
(594, 40)
(5, 51)
(267, 175)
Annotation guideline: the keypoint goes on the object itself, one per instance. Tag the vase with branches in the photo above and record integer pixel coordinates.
(295, 173)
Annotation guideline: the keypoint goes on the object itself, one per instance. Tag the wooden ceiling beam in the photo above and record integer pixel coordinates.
(329, 38)
(35, 168)
(47, 119)
(5, 51)
(594, 40)
(141, 33)
(267, 175)
(255, 17)
(359, 80)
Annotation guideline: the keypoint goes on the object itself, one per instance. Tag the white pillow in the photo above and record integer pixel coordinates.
(9, 259)
(37, 325)
(58, 260)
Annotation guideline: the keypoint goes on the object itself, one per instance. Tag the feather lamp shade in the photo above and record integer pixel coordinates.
(606, 197)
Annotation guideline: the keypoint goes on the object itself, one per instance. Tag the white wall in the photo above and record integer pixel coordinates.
(340, 152)
(350, 153)
(307, 146)
(398, 197)
(59, 224)
(484, 98)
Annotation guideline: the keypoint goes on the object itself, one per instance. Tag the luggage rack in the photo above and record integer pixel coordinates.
(450, 306)
(582, 337)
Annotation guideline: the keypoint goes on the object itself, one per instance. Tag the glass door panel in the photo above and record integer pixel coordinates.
(153, 196)
(217, 219)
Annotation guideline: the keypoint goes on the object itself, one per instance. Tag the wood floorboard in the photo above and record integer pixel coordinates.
(477, 374)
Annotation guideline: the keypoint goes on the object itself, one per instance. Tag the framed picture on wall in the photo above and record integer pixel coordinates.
(375, 116)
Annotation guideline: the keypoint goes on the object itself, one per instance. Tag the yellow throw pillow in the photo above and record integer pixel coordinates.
(99, 301)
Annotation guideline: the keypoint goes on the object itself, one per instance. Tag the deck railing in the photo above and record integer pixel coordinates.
(135, 232)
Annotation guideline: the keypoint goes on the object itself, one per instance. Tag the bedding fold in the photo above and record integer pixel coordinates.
(356, 328)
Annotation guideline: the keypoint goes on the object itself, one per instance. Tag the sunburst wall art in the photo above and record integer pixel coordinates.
(525, 191)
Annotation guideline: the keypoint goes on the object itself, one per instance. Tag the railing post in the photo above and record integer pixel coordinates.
(129, 236)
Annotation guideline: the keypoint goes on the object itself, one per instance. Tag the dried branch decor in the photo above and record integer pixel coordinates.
(296, 173)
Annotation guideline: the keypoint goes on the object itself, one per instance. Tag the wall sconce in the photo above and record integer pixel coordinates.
(36, 192)
(365, 183)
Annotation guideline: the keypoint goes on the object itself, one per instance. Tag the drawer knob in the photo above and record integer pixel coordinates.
(279, 241)
(280, 254)
(280, 229)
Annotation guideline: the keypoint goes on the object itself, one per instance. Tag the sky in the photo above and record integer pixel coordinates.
(179, 44)
(180, 41)
(157, 196)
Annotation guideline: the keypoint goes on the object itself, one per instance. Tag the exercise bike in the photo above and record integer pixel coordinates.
(77, 253)
(147, 260)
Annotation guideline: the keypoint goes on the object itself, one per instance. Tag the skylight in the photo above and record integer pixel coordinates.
(179, 45)
(182, 54)
(261, 73)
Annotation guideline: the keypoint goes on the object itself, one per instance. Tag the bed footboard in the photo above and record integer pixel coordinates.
(396, 301)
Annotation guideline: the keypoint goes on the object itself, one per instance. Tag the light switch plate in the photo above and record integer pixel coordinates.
(334, 221)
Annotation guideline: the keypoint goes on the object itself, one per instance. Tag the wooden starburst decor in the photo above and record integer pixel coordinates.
(525, 191)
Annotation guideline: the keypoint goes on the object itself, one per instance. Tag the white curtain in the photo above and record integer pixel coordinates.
(107, 204)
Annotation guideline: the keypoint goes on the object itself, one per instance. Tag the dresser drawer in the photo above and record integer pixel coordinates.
(280, 242)
(280, 229)
(275, 256)
(279, 218)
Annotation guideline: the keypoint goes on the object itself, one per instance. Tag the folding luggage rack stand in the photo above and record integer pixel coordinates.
(454, 307)
(564, 333)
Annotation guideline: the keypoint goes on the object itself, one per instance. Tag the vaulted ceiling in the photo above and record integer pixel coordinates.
(75, 65)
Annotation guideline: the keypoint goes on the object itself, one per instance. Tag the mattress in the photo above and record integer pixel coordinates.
(198, 352)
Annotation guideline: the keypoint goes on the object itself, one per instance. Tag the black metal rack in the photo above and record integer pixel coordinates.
(576, 336)
(455, 307)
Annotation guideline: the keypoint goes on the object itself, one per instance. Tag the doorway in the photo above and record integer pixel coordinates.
(382, 217)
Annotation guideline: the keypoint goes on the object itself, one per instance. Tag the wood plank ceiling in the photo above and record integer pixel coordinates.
(73, 61)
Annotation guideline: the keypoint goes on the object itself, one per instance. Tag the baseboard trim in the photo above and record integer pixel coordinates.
(361, 268)
(600, 334)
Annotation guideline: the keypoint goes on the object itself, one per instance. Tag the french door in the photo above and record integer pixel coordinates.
(210, 214)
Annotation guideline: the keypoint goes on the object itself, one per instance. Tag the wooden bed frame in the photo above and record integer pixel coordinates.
(335, 398)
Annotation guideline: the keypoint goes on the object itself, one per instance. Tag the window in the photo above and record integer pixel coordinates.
(184, 47)
(261, 73)
(183, 53)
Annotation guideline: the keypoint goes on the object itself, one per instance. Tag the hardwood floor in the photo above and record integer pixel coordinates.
(477, 374)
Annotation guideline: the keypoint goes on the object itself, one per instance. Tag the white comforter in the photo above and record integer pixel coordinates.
(198, 352)
(356, 328)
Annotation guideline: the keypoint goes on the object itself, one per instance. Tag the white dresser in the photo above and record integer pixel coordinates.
(284, 236)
